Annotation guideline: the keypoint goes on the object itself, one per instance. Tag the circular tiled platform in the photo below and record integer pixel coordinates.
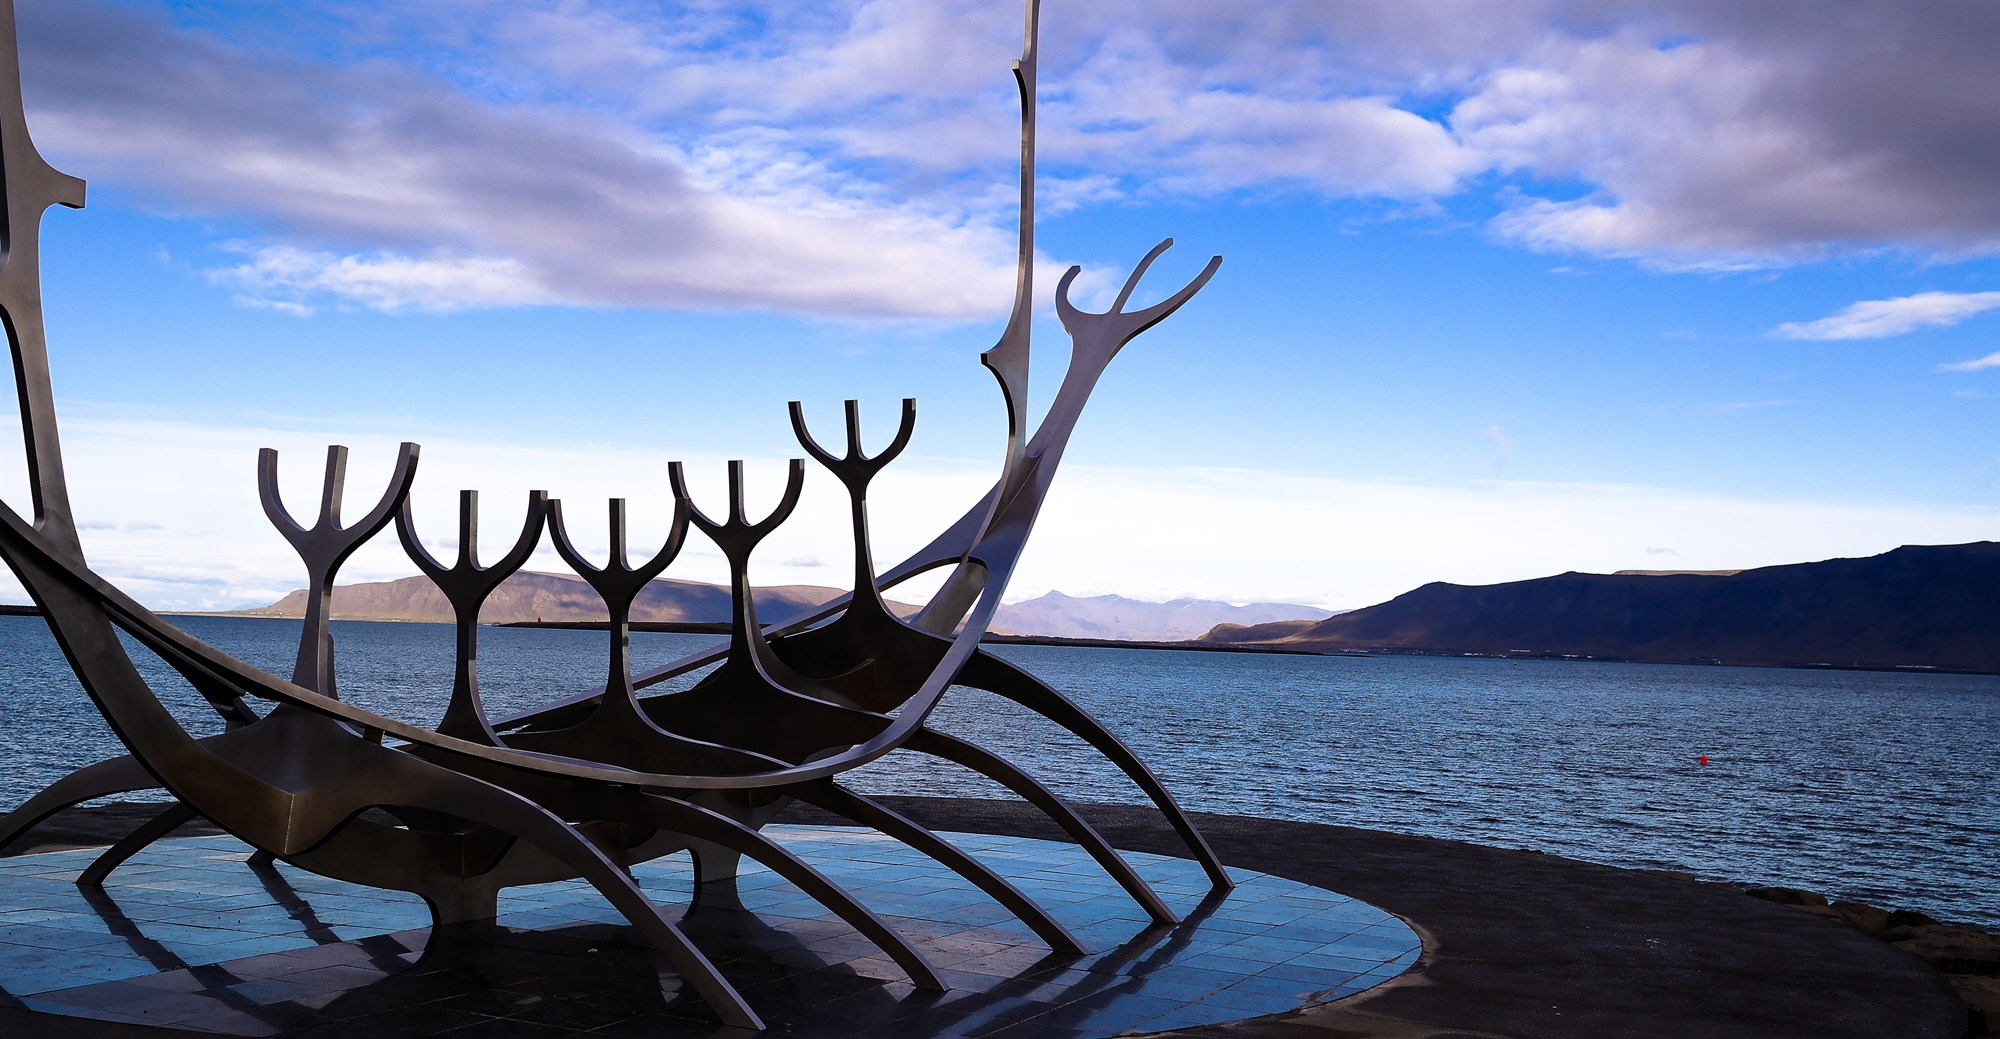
(189, 936)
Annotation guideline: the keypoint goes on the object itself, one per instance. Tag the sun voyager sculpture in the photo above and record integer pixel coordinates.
(587, 785)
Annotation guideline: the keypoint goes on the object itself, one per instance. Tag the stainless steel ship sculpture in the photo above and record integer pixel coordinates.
(616, 775)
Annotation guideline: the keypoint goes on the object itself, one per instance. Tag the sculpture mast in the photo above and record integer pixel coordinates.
(31, 185)
(1008, 359)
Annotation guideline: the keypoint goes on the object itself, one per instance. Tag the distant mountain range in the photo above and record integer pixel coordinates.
(564, 599)
(531, 596)
(1056, 615)
(1934, 606)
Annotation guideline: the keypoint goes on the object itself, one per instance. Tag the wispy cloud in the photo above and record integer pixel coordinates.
(1734, 136)
(281, 278)
(1977, 364)
(1882, 318)
(739, 157)
(381, 186)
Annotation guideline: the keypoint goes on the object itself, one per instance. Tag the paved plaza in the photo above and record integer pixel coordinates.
(1517, 945)
(189, 936)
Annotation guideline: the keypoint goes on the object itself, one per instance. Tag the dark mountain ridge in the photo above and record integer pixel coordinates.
(1919, 606)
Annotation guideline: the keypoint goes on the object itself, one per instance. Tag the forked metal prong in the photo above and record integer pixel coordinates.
(737, 535)
(618, 573)
(326, 545)
(1115, 327)
(467, 572)
(856, 467)
(466, 586)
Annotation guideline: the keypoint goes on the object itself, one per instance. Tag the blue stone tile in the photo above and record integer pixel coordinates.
(1315, 978)
(1329, 961)
(1240, 1003)
(1271, 948)
(1187, 1017)
(1227, 964)
(1272, 987)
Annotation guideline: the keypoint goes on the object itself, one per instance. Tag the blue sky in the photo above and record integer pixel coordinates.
(1508, 289)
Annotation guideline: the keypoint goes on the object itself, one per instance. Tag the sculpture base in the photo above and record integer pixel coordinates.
(188, 936)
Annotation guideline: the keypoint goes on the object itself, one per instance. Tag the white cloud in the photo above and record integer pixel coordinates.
(1173, 127)
(1977, 364)
(1730, 136)
(282, 306)
(1882, 318)
(280, 276)
(380, 186)
(171, 514)
(742, 156)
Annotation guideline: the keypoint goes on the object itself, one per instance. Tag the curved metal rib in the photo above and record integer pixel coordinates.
(488, 805)
(235, 711)
(988, 672)
(996, 768)
(294, 779)
(166, 822)
(868, 812)
(703, 824)
(32, 186)
(119, 775)
(329, 774)
(27, 550)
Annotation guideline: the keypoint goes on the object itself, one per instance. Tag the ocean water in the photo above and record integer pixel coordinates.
(1883, 788)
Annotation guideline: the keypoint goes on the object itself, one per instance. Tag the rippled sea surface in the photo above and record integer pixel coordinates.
(1883, 788)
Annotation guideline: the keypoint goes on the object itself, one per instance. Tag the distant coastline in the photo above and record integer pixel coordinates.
(1193, 646)
(1914, 610)
(722, 628)
(1585, 658)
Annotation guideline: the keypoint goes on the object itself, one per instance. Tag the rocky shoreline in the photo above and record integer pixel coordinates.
(1967, 956)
